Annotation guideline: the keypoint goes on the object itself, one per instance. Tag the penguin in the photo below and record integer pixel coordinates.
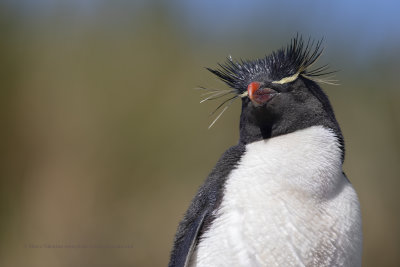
(279, 197)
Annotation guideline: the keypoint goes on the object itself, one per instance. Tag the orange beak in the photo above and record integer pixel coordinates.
(251, 88)
(259, 95)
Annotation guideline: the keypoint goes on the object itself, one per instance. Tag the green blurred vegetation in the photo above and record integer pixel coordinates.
(103, 140)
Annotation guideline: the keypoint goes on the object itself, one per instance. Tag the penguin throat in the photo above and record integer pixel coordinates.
(255, 125)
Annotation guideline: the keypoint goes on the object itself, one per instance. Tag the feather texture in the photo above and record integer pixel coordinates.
(287, 63)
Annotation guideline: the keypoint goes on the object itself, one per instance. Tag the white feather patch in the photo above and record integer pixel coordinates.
(286, 204)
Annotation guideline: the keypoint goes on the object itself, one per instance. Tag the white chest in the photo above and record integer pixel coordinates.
(286, 204)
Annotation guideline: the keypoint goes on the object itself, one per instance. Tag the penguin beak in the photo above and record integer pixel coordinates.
(260, 96)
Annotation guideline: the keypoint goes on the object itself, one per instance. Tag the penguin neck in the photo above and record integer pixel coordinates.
(258, 124)
(254, 125)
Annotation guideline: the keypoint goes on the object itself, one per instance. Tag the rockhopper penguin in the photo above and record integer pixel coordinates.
(279, 197)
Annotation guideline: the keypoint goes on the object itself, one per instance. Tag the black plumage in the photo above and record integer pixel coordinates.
(199, 215)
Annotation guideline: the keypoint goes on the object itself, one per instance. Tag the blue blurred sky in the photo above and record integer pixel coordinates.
(359, 26)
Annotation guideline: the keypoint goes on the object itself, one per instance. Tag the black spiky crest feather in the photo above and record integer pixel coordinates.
(295, 58)
(282, 66)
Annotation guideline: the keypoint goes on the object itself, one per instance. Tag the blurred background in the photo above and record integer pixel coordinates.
(104, 142)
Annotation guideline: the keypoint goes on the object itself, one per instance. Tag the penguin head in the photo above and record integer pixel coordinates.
(280, 92)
